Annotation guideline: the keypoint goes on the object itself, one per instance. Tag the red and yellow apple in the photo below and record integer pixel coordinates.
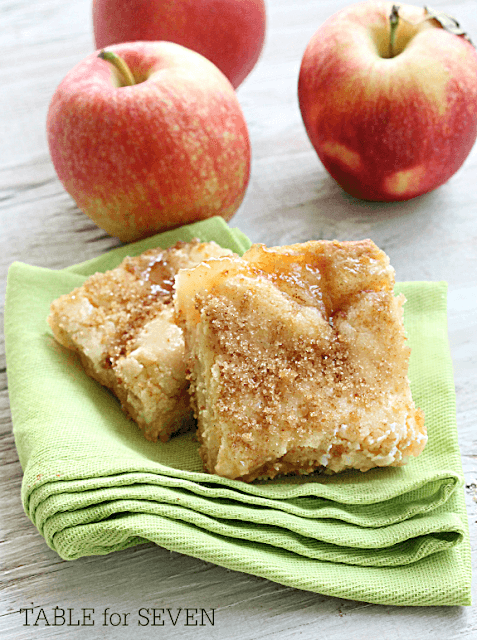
(170, 148)
(230, 33)
(389, 100)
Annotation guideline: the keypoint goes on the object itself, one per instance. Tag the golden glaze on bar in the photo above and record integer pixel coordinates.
(298, 361)
(122, 325)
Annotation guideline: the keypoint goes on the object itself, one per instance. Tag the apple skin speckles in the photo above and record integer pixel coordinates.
(169, 150)
(388, 127)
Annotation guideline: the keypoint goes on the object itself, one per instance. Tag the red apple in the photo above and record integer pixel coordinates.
(389, 120)
(170, 149)
(230, 33)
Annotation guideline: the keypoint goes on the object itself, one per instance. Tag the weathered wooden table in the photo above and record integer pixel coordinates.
(290, 199)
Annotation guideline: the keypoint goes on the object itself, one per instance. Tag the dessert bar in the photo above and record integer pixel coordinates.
(298, 361)
(121, 323)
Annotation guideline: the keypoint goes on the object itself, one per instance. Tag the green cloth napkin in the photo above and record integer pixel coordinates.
(92, 483)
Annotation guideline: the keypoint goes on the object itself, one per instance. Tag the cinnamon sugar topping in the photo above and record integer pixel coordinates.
(121, 323)
(298, 361)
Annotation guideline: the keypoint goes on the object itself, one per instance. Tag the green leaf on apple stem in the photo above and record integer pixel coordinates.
(447, 22)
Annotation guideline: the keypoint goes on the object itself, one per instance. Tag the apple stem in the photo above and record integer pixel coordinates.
(393, 21)
(124, 71)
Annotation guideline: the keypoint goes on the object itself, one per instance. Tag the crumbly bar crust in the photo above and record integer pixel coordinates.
(121, 323)
(298, 361)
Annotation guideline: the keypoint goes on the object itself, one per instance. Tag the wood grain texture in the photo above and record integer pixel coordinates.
(290, 199)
